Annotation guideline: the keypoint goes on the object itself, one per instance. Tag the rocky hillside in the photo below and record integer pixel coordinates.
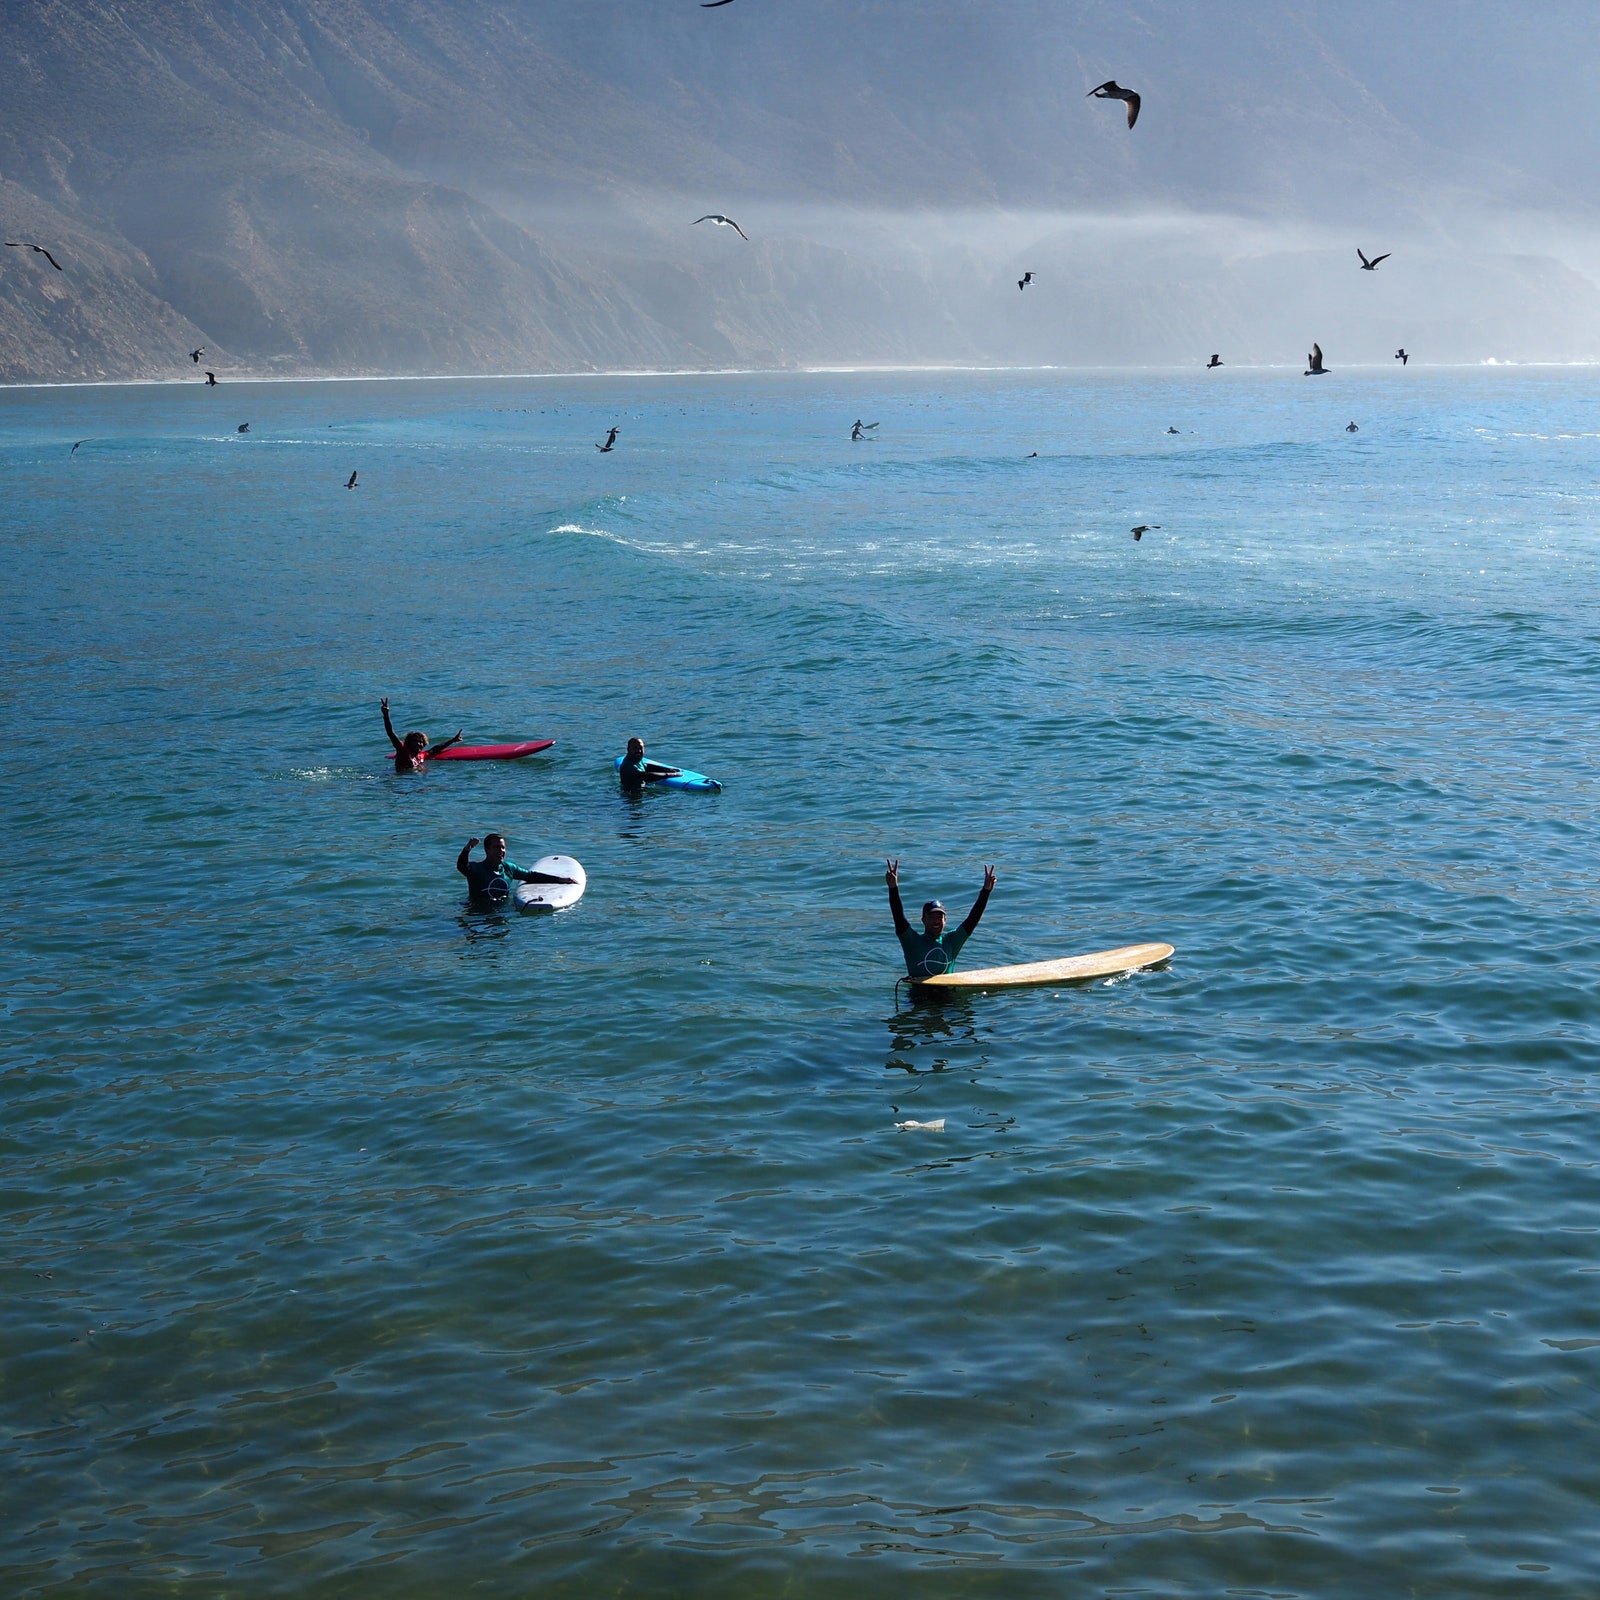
(343, 186)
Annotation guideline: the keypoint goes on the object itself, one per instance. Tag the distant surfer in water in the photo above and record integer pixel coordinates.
(935, 949)
(489, 881)
(412, 752)
(635, 772)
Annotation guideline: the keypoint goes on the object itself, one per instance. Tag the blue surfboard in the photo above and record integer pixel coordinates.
(697, 781)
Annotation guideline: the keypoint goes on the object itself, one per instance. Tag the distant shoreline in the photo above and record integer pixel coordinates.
(830, 369)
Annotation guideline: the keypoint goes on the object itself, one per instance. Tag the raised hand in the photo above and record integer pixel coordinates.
(988, 879)
(892, 876)
(472, 844)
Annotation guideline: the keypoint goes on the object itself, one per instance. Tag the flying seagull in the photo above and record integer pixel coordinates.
(1372, 265)
(1143, 529)
(22, 244)
(611, 439)
(722, 222)
(194, 355)
(1215, 361)
(211, 379)
(352, 482)
(1112, 90)
(74, 450)
(1314, 367)
(1024, 280)
(1403, 356)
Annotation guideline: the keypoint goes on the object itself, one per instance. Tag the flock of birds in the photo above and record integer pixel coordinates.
(1109, 90)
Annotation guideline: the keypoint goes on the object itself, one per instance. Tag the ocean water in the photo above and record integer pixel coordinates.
(360, 1244)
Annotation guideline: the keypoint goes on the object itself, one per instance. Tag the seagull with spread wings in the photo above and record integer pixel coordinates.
(1112, 90)
(722, 222)
(1372, 265)
(22, 244)
(1315, 368)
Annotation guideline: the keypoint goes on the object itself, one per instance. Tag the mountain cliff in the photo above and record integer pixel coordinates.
(343, 186)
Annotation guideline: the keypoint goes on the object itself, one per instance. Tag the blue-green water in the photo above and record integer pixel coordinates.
(358, 1244)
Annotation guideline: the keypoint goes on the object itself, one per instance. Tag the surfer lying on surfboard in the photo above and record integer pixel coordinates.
(635, 772)
(489, 881)
(935, 949)
(412, 751)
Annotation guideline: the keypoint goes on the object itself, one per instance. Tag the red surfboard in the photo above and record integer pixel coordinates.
(492, 752)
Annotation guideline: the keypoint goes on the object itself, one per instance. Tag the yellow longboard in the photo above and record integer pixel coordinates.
(1070, 969)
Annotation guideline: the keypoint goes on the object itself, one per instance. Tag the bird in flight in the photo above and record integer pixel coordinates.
(1403, 356)
(1215, 361)
(1024, 280)
(1112, 90)
(1372, 265)
(722, 222)
(1314, 367)
(74, 450)
(352, 482)
(211, 379)
(244, 427)
(611, 439)
(194, 355)
(1143, 529)
(22, 244)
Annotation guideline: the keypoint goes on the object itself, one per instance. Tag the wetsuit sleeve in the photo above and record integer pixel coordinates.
(455, 738)
(463, 859)
(897, 911)
(388, 728)
(975, 915)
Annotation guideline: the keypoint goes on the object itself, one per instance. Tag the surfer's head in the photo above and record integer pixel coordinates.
(494, 848)
(933, 919)
(635, 749)
(414, 742)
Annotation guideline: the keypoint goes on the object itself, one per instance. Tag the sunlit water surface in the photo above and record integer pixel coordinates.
(359, 1244)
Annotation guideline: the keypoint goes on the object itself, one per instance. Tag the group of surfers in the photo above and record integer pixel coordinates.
(491, 880)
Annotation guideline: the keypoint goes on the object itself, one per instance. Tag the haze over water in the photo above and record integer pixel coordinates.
(359, 1244)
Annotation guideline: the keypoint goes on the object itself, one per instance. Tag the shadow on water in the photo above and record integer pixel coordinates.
(483, 925)
(932, 1029)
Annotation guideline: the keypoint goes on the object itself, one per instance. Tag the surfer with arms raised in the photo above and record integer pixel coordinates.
(935, 949)
(412, 752)
(489, 881)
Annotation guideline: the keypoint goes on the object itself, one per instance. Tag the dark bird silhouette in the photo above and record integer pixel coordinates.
(1215, 361)
(194, 355)
(352, 483)
(1403, 356)
(1350, 427)
(1024, 280)
(1112, 90)
(1143, 529)
(244, 427)
(1372, 265)
(22, 244)
(74, 450)
(706, 5)
(611, 439)
(1314, 366)
(722, 222)
(211, 379)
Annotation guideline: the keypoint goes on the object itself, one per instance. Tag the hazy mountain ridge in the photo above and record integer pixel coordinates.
(388, 185)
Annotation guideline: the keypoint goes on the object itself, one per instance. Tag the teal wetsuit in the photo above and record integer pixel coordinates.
(927, 958)
(491, 886)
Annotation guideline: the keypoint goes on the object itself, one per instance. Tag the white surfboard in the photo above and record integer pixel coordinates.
(1070, 969)
(552, 896)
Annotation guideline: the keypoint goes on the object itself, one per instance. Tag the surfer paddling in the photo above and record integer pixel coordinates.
(935, 949)
(412, 752)
(489, 881)
(635, 772)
